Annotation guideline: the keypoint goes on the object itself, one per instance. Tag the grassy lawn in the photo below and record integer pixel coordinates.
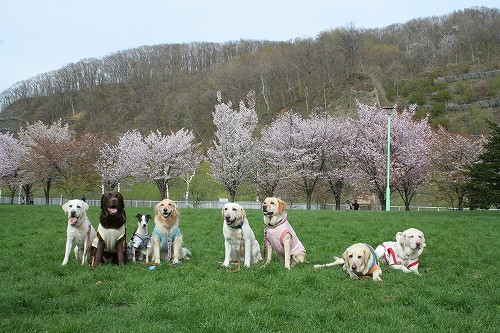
(457, 292)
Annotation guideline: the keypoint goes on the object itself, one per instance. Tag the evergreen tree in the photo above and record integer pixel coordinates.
(484, 186)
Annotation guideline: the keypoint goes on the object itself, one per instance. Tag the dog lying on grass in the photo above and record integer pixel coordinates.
(403, 254)
(359, 260)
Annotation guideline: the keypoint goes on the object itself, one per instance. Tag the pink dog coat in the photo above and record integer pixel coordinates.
(274, 235)
(392, 258)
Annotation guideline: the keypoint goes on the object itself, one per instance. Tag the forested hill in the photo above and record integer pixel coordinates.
(171, 86)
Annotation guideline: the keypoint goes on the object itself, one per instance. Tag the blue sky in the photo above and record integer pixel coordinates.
(37, 36)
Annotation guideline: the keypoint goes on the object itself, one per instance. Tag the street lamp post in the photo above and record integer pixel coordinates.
(387, 188)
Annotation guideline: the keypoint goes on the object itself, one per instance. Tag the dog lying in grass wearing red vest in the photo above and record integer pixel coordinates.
(403, 254)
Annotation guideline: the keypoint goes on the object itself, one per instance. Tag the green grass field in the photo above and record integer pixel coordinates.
(457, 292)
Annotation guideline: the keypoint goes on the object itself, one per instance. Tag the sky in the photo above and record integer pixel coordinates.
(38, 36)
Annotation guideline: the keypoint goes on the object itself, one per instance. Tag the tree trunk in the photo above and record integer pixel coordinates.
(461, 202)
(46, 191)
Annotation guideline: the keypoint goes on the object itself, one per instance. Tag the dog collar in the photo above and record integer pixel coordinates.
(240, 226)
(283, 220)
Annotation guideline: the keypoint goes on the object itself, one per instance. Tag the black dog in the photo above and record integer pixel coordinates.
(110, 243)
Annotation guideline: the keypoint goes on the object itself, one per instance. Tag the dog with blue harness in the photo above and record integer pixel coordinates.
(167, 239)
(359, 261)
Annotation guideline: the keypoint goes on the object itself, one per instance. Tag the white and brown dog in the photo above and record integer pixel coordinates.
(279, 234)
(359, 260)
(239, 239)
(79, 231)
(167, 240)
(138, 245)
(403, 254)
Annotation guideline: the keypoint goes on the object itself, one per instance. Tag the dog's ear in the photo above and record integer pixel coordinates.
(281, 205)
(120, 200)
(148, 216)
(138, 216)
(65, 207)
(400, 238)
(367, 254)
(243, 214)
(103, 200)
(85, 206)
(345, 257)
(222, 211)
(176, 210)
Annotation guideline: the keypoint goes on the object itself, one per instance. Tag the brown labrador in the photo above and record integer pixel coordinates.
(110, 244)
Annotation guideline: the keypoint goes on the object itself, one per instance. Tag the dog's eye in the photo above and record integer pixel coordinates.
(234, 209)
(359, 257)
(350, 256)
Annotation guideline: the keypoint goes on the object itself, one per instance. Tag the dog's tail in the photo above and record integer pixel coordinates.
(338, 261)
(186, 253)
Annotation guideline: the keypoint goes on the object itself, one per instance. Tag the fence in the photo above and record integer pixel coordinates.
(216, 204)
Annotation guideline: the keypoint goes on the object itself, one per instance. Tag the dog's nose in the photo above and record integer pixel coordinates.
(353, 267)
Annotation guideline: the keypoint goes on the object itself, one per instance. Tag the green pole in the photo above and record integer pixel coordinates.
(387, 181)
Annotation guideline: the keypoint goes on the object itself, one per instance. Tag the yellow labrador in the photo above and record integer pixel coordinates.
(239, 239)
(403, 254)
(167, 241)
(359, 260)
(279, 234)
(79, 231)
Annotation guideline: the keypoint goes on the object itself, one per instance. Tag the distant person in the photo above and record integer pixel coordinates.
(348, 205)
(356, 205)
(31, 199)
(83, 198)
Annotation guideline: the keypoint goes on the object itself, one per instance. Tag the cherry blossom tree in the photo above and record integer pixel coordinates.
(339, 170)
(412, 154)
(76, 170)
(270, 172)
(452, 155)
(45, 156)
(11, 154)
(411, 143)
(121, 161)
(301, 146)
(233, 155)
(168, 157)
